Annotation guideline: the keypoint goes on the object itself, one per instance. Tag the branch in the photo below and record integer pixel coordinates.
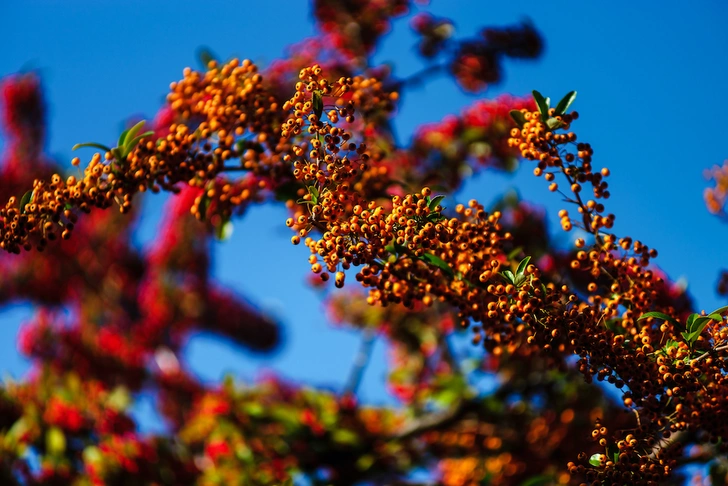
(435, 420)
(360, 362)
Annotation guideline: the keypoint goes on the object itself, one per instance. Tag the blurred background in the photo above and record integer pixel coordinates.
(650, 78)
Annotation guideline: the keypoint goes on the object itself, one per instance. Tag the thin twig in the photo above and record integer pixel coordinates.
(361, 360)
(434, 420)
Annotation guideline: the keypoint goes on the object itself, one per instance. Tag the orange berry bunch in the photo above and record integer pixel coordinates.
(539, 142)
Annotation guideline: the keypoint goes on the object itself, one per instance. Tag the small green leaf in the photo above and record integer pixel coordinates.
(613, 325)
(205, 55)
(92, 455)
(314, 192)
(18, 429)
(131, 144)
(689, 322)
(318, 104)
(438, 262)
(716, 317)
(522, 266)
(224, 231)
(91, 145)
(518, 117)
(720, 310)
(204, 205)
(253, 409)
(122, 137)
(25, 200)
(565, 102)
(594, 460)
(614, 452)
(699, 324)
(447, 397)
(119, 153)
(668, 345)
(435, 202)
(514, 253)
(543, 106)
(657, 315)
(132, 132)
(55, 441)
(554, 124)
(365, 462)
(435, 217)
(508, 275)
(345, 437)
(119, 399)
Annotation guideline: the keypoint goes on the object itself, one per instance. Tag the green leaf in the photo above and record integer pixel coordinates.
(447, 397)
(720, 310)
(18, 429)
(522, 266)
(132, 132)
(699, 324)
(614, 452)
(131, 144)
(612, 325)
(365, 462)
(657, 315)
(689, 322)
(92, 455)
(435, 217)
(435, 202)
(668, 345)
(55, 441)
(224, 231)
(253, 409)
(565, 102)
(543, 106)
(508, 275)
(119, 153)
(716, 317)
(345, 437)
(25, 200)
(91, 145)
(394, 247)
(119, 399)
(554, 124)
(205, 55)
(689, 337)
(122, 137)
(518, 117)
(204, 205)
(314, 194)
(594, 460)
(438, 262)
(514, 253)
(318, 104)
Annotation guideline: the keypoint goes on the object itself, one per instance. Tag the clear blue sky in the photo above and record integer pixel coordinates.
(651, 80)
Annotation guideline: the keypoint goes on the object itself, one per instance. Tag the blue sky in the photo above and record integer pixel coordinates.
(650, 76)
